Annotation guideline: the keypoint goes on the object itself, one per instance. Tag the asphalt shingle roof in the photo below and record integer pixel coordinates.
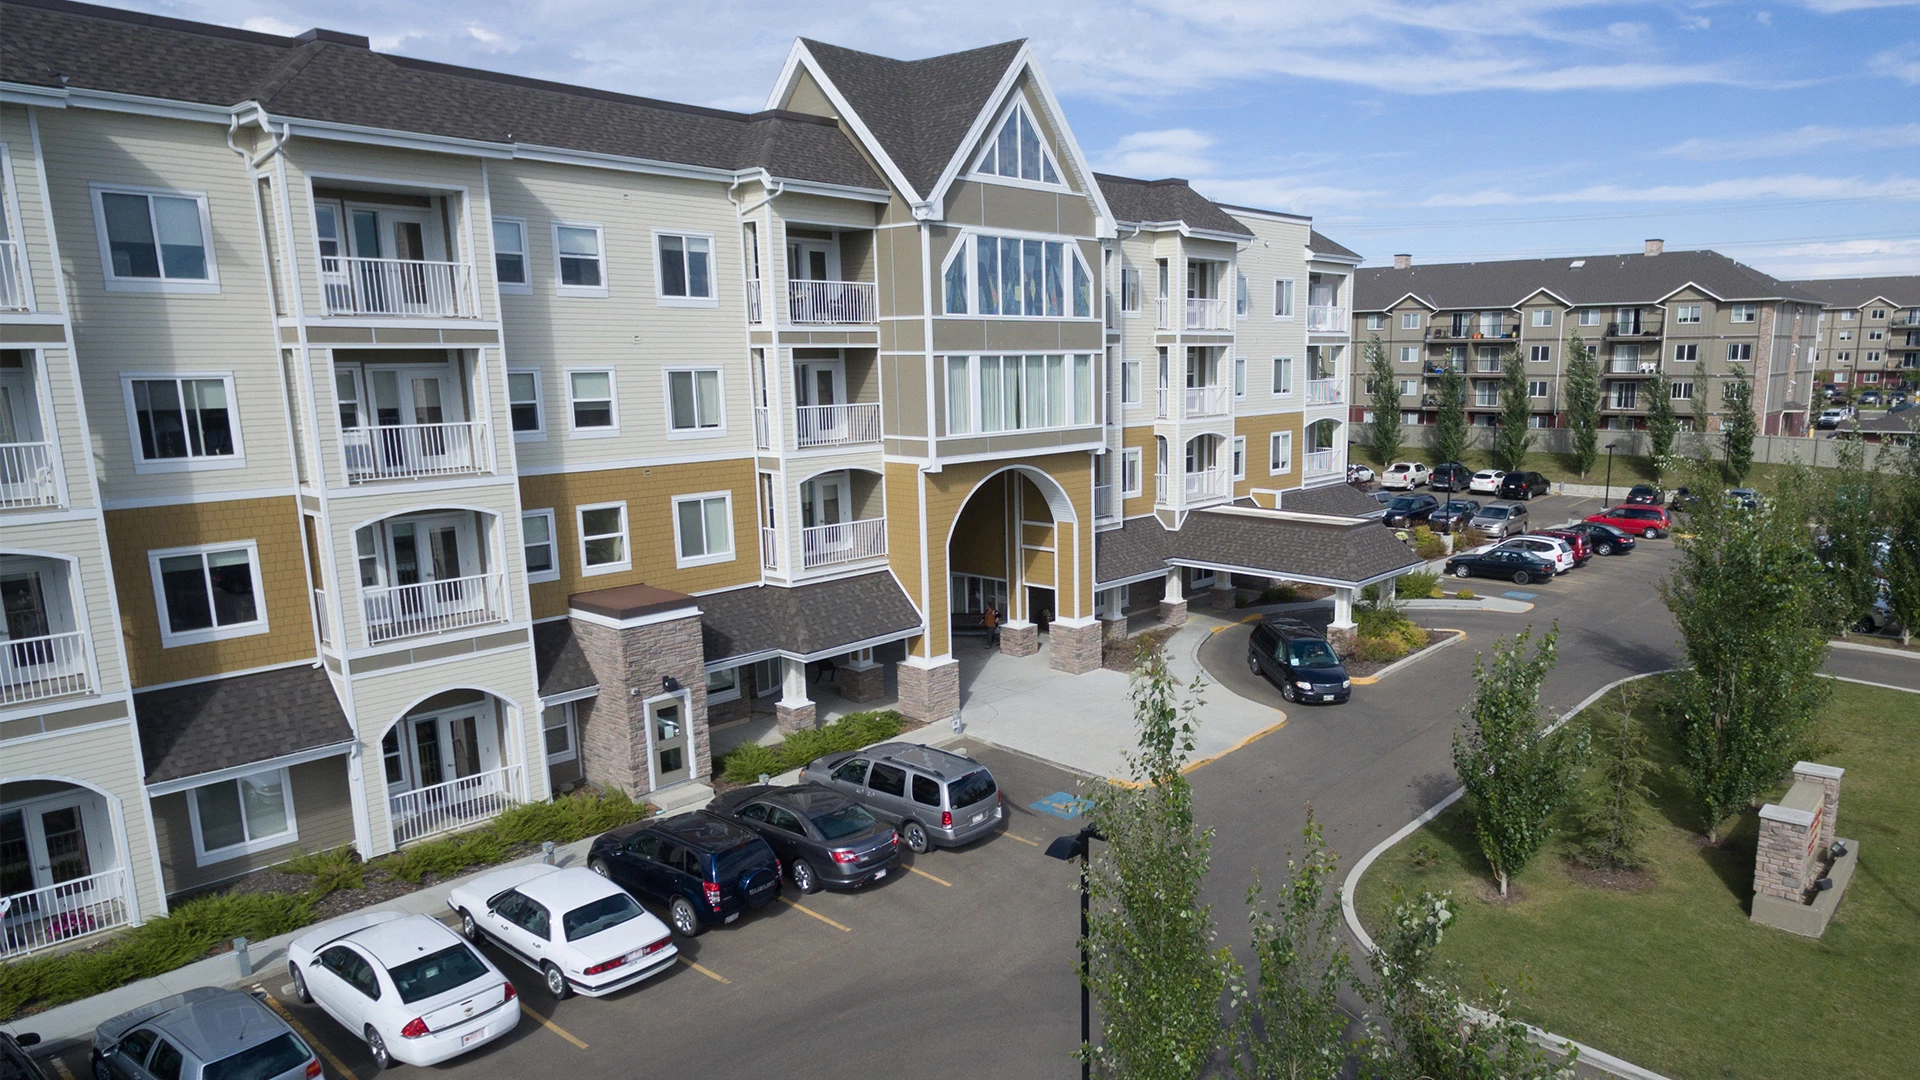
(559, 660)
(1338, 499)
(1319, 244)
(209, 726)
(821, 618)
(1593, 279)
(1136, 201)
(1857, 292)
(1260, 541)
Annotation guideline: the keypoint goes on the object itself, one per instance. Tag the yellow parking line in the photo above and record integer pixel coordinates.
(61, 1068)
(816, 915)
(553, 1027)
(274, 1004)
(708, 972)
(930, 877)
(1022, 839)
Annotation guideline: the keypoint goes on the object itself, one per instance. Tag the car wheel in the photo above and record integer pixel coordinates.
(100, 1070)
(684, 918)
(599, 866)
(803, 877)
(377, 1046)
(1253, 663)
(468, 928)
(914, 835)
(1521, 577)
(1287, 692)
(1651, 533)
(1462, 571)
(1604, 549)
(557, 984)
(299, 985)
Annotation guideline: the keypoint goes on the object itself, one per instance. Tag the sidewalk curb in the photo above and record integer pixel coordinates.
(1873, 650)
(1458, 636)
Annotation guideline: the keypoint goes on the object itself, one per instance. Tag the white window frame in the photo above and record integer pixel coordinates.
(1674, 388)
(1279, 453)
(1239, 451)
(1686, 354)
(1283, 290)
(570, 723)
(1242, 296)
(966, 250)
(1239, 375)
(141, 464)
(538, 434)
(1407, 387)
(1130, 381)
(168, 638)
(666, 388)
(730, 692)
(1590, 316)
(1132, 456)
(1130, 273)
(613, 389)
(207, 286)
(1542, 317)
(562, 289)
(204, 857)
(1743, 313)
(521, 288)
(1848, 316)
(1734, 347)
(1280, 390)
(1409, 320)
(1376, 322)
(553, 541)
(712, 299)
(581, 538)
(1540, 354)
(1409, 354)
(1688, 314)
(992, 139)
(1539, 385)
(682, 561)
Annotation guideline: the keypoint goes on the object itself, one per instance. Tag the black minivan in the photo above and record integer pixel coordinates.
(1296, 658)
(1450, 476)
(706, 869)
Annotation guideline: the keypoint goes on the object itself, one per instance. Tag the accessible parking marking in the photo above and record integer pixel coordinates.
(1515, 594)
(553, 1027)
(929, 877)
(708, 972)
(1061, 804)
(817, 915)
(273, 1003)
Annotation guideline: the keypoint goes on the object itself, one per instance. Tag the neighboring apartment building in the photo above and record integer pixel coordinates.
(1870, 336)
(1696, 316)
(391, 442)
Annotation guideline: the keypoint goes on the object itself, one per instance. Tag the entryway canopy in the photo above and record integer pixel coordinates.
(1316, 549)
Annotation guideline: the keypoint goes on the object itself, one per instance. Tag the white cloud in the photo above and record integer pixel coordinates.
(1764, 18)
(1901, 63)
(1843, 258)
(267, 24)
(1153, 154)
(1695, 22)
(1835, 7)
(1798, 141)
(1756, 187)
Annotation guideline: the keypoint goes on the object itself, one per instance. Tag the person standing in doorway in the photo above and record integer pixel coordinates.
(991, 620)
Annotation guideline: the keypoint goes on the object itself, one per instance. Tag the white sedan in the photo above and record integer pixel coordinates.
(1554, 550)
(1486, 482)
(1405, 475)
(577, 929)
(404, 983)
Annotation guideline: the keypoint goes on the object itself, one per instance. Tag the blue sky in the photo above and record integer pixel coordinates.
(1785, 134)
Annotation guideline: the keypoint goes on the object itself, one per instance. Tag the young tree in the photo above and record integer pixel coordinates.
(1383, 434)
(1662, 424)
(1903, 543)
(1450, 420)
(1516, 409)
(1516, 775)
(1292, 1026)
(1612, 823)
(1583, 403)
(1738, 426)
(1852, 525)
(1155, 971)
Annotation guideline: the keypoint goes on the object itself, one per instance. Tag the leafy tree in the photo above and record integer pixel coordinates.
(1155, 972)
(1516, 408)
(1383, 434)
(1516, 774)
(1849, 514)
(1612, 824)
(1903, 543)
(1738, 426)
(1583, 403)
(1450, 421)
(1749, 597)
(1662, 424)
(1292, 1026)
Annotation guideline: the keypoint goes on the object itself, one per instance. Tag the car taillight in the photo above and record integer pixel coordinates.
(844, 856)
(415, 1028)
(656, 946)
(607, 966)
(946, 819)
(313, 1068)
(778, 871)
(713, 894)
(511, 992)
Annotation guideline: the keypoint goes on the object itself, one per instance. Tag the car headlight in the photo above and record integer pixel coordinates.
(1346, 684)
(1303, 684)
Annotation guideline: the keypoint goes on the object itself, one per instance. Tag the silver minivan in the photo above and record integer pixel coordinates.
(204, 1032)
(937, 798)
(1500, 520)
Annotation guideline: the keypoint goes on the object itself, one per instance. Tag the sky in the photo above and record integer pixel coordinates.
(1783, 134)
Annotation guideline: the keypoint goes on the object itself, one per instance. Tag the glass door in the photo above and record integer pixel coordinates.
(29, 653)
(415, 415)
(671, 760)
(819, 386)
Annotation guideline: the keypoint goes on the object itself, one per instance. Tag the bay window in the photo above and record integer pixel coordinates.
(1017, 276)
(987, 394)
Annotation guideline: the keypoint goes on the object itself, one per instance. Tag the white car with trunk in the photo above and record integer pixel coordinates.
(1486, 482)
(580, 931)
(1405, 475)
(1554, 550)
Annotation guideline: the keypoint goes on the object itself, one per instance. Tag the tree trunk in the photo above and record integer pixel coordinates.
(1501, 877)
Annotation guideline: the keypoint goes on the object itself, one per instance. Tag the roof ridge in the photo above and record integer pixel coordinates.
(1170, 181)
(811, 42)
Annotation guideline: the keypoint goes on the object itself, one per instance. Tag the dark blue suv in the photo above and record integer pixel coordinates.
(705, 869)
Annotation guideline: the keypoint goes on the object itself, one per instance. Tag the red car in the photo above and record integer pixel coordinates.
(1582, 549)
(1651, 522)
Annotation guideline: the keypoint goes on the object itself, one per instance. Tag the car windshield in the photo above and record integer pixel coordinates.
(1404, 502)
(602, 914)
(448, 969)
(1494, 512)
(845, 821)
(970, 789)
(1460, 507)
(1313, 654)
(272, 1058)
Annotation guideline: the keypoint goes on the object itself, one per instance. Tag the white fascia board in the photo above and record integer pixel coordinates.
(1677, 290)
(45, 97)
(1415, 297)
(1543, 289)
(108, 101)
(1104, 226)
(1344, 260)
(784, 84)
(284, 761)
(802, 58)
(815, 187)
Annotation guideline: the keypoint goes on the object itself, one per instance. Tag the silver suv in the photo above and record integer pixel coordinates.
(202, 1033)
(938, 799)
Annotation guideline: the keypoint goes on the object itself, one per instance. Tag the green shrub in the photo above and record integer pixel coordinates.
(803, 746)
(1418, 583)
(1276, 594)
(872, 726)
(1370, 594)
(1465, 594)
(1378, 650)
(446, 856)
(568, 818)
(746, 764)
(851, 732)
(331, 870)
(1429, 547)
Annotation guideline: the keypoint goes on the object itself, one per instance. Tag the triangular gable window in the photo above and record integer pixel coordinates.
(1017, 152)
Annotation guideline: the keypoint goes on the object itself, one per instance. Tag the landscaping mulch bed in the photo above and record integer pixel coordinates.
(1627, 881)
(1119, 656)
(1364, 668)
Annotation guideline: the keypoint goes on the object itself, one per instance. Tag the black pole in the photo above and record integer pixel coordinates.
(1086, 973)
(1606, 496)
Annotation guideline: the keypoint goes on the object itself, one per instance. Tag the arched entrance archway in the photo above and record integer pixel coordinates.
(1014, 547)
(449, 761)
(1325, 455)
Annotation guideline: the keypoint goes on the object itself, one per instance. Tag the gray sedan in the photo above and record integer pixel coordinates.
(823, 837)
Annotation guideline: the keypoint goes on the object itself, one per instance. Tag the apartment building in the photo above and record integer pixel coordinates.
(1870, 332)
(392, 442)
(1698, 317)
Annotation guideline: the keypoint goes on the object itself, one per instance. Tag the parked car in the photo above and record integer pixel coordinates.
(1645, 495)
(704, 868)
(1830, 418)
(1500, 520)
(1296, 658)
(1606, 539)
(406, 984)
(1557, 552)
(1582, 549)
(1681, 501)
(1519, 567)
(1383, 496)
(1406, 511)
(961, 805)
(1451, 476)
(1870, 397)
(1651, 522)
(15, 1062)
(1524, 485)
(1453, 515)
(1359, 474)
(579, 930)
(1486, 482)
(1744, 498)
(204, 1032)
(822, 836)
(1405, 475)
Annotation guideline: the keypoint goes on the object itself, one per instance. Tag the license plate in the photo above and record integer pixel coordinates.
(979, 817)
(1326, 697)
(471, 1036)
(732, 917)
(878, 874)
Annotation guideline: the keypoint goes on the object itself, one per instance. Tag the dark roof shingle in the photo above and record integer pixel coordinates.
(1856, 292)
(1341, 500)
(559, 660)
(1142, 201)
(224, 723)
(1594, 279)
(1320, 245)
(817, 619)
(1257, 540)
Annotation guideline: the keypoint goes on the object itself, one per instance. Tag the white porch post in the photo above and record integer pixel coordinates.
(1387, 588)
(1173, 595)
(794, 711)
(1342, 608)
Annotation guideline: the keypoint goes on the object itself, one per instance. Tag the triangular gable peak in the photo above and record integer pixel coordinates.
(1527, 299)
(1696, 287)
(1416, 298)
(802, 65)
(1007, 103)
(1015, 152)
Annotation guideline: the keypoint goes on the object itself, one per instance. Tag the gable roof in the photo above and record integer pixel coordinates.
(1153, 202)
(1593, 279)
(1860, 291)
(206, 727)
(334, 78)
(1320, 245)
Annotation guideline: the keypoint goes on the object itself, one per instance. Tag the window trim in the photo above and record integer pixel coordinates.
(1237, 456)
(963, 249)
(666, 387)
(168, 638)
(1376, 321)
(1138, 456)
(1540, 354)
(569, 719)
(1276, 466)
(538, 434)
(1590, 317)
(524, 288)
(1134, 311)
(202, 856)
(1542, 318)
(712, 299)
(731, 693)
(626, 538)
(1750, 311)
(207, 286)
(682, 561)
(1409, 320)
(1680, 314)
(613, 388)
(559, 287)
(1278, 391)
(991, 139)
(1138, 392)
(141, 464)
(1288, 292)
(553, 541)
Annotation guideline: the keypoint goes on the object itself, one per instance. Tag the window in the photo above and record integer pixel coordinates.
(723, 685)
(1872, 357)
(182, 422)
(1016, 393)
(1848, 316)
(1537, 388)
(1590, 317)
(1130, 382)
(1282, 298)
(1875, 335)
(1687, 313)
(1846, 358)
(693, 401)
(959, 397)
(249, 813)
(1240, 297)
(1239, 457)
(1846, 335)
(560, 727)
(205, 594)
(1376, 322)
(1409, 320)
(703, 528)
(603, 538)
(1019, 276)
(1877, 313)
(1686, 354)
(1739, 350)
(685, 264)
(523, 404)
(1869, 376)
(510, 254)
(1239, 375)
(155, 241)
(1680, 391)
(1407, 387)
(1409, 354)
(1743, 312)
(1280, 452)
(1539, 354)
(1017, 151)
(1130, 472)
(591, 396)
(1283, 375)
(1130, 290)
(580, 268)
(536, 540)
(1542, 317)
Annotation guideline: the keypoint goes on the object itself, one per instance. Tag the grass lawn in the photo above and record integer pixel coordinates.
(1673, 977)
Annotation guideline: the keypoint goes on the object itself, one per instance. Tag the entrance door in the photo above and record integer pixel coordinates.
(813, 267)
(43, 844)
(818, 385)
(440, 557)
(672, 757)
(403, 241)
(413, 409)
(823, 501)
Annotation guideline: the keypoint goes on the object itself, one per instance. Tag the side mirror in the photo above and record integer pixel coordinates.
(27, 1038)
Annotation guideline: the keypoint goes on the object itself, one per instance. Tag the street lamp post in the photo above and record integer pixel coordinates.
(1606, 494)
(1068, 849)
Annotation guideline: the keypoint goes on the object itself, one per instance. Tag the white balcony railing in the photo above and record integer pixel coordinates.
(456, 803)
(320, 615)
(836, 425)
(829, 302)
(848, 541)
(13, 277)
(72, 909)
(27, 475)
(1326, 391)
(416, 451)
(769, 547)
(1208, 400)
(1320, 463)
(434, 607)
(1106, 501)
(753, 300)
(43, 667)
(1328, 319)
(1207, 484)
(1206, 313)
(355, 286)
(762, 428)
(1162, 490)
(1163, 319)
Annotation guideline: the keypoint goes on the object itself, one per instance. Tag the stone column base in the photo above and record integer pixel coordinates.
(792, 718)
(1223, 599)
(1342, 639)
(929, 694)
(1073, 649)
(1173, 612)
(863, 683)
(1113, 631)
(1023, 640)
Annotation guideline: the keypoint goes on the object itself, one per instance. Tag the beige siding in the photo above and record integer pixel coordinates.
(29, 208)
(104, 758)
(323, 818)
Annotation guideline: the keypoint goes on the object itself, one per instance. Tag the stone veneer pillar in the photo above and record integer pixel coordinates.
(1828, 777)
(929, 689)
(1173, 603)
(794, 711)
(862, 681)
(1073, 646)
(633, 638)
(1790, 831)
(1019, 638)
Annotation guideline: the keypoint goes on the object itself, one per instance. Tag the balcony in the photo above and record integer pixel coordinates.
(40, 918)
(1634, 330)
(1320, 463)
(13, 277)
(1106, 501)
(844, 542)
(836, 425)
(416, 451)
(1326, 391)
(1474, 332)
(813, 303)
(1632, 367)
(753, 301)
(1212, 483)
(397, 287)
(37, 668)
(762, 428)
(769, 548)
(27, 476)
(1487, 367)
(1194, 402)
(455, 803)
(434, 607)
(1327, 319)
(320, 616)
